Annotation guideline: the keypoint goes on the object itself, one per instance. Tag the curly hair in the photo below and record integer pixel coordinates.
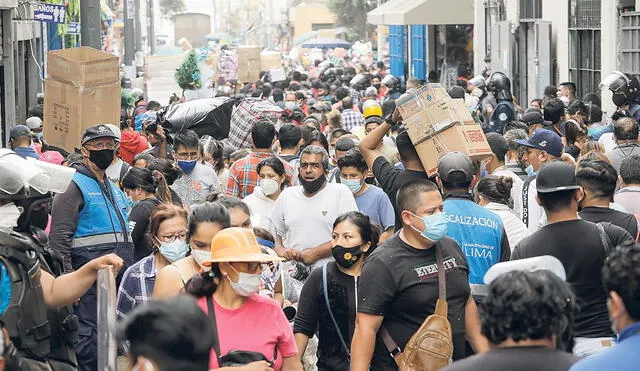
(621, 274)
(513, 297)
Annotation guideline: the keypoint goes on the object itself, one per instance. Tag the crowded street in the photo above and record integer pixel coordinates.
(266, 185)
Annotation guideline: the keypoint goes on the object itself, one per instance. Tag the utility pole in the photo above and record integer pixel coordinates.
(129, 42)
(90, 21)
(139, 50)
(152, 27)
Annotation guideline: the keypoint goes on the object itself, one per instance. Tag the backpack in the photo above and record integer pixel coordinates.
(431, 347)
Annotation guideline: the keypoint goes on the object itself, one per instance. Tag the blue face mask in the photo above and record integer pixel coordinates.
(131, 203)
(530, 171)
(174, 251)
(187, 166)
(354, 184)
(435, 226)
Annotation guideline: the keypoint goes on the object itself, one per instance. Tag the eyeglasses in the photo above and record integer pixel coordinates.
(100, 146)
(187, 155)
(172, 237)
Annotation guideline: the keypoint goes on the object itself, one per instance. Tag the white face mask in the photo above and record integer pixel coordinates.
(143, 365)
(9, 215)
(247, 284)
(201, 256)
(269, 186)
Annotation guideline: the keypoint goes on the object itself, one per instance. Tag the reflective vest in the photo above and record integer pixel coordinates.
(102, 229)
(479, 233)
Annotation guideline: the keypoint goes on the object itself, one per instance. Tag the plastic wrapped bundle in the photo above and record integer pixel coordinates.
(211, 116)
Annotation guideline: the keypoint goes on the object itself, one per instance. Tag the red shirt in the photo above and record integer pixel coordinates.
(259, 325)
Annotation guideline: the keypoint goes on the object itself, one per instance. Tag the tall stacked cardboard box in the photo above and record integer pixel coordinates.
(82, 89)
(248, 63)
(437, 124)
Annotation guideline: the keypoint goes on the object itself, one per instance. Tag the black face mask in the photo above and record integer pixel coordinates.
(619, 99)
(102, 158)
(347, 257)
(313, 186)
(377, 86)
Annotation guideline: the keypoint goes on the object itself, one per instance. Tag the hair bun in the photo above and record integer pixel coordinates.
(504, 185)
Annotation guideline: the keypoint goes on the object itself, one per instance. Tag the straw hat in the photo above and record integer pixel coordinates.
(237, 245)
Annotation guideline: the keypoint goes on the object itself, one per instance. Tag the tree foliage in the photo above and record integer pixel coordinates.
(352, 14)
(171, 7)
(188, 74)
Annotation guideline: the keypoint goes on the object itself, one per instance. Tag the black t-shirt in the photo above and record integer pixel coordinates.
(391, 179)
(138, 223)
(516, 358)
(400, 283)
(628, 222)
(313, 315)
(577, 244)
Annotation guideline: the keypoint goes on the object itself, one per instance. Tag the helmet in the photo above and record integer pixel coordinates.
(500, 85)
(359, 82)
(622, 86)
(371, 108)
(477, 81)
(391, 82)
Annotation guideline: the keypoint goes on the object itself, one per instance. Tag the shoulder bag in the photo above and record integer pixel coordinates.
(235, 357)
(431, 347)
(326, 300)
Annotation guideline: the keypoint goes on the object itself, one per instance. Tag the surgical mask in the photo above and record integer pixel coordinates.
(595, 131)
(354, 184)
(247, 284)
(201, 256)
(174, 251)
(131, 203)
(530, 170)
(102, 158)
(9, 215)
(314, 185)
(269, 186)
(187, 166)
(435, 226)
(565, 100)
(619, 99)
(347, 257)
(291, 105)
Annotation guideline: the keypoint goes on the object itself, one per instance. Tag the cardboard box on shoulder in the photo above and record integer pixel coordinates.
(83, 66)
(438, 124)
(69, 110)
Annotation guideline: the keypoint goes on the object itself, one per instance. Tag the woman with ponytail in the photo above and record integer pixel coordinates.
(251, 325)
(141, 186)
(493, 193)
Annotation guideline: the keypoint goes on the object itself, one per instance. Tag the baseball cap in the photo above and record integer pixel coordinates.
(498, 144)
(237, 245)
(116, 130)
(544, 140)
(97, 131)
(34, 122)
(52, 157)
(455, 162)
(556, 176)
(19, 131)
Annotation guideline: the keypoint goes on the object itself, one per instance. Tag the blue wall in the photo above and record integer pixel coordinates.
(419, 56)
(397, 35)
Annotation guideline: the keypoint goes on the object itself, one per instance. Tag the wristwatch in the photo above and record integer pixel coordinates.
(389, 119)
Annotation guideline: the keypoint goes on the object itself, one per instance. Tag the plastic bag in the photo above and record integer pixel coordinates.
(211, 116)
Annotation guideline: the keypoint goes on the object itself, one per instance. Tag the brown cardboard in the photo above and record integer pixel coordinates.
(83, 66)
(248, 63)
(270, 60)
(468, 139)
(70, 109)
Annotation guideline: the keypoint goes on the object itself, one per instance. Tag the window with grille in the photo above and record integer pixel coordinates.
(530, 9)
(630, 43)
(584, 45)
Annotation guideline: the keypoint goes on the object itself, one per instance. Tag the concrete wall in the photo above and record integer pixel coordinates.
(303, 17)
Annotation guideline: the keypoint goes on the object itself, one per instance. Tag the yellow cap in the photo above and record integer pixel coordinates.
(237, 245)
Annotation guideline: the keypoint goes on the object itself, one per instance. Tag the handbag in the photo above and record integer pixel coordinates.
(431, 347)
(234, 357)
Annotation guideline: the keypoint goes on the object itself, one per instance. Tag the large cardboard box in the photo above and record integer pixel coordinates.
(70, 109)
(468, 139)
(270, 60)
(83, 66)
(248, 63)
(438, 124)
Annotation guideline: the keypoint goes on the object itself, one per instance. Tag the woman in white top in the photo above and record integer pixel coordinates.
(493, 193)
(273, 179)
(211, 153)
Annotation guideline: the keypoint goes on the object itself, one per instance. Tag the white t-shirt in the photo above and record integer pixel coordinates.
(114, 170)
(307, 222)
(536, 212)
(260, 207)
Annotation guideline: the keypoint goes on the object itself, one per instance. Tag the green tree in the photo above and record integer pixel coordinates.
(171, 7)
(352, 14)
(188, 74)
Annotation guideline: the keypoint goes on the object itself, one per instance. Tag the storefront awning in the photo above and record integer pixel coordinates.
(429, 12)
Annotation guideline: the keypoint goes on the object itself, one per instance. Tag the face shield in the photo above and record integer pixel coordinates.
(615, 81)
(478, 81)
(41, 176)
(388, 80)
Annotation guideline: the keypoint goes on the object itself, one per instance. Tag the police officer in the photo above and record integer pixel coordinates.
(504, 112)
(89, 220)
(394, 85)
(34, 305)
(626, 92)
